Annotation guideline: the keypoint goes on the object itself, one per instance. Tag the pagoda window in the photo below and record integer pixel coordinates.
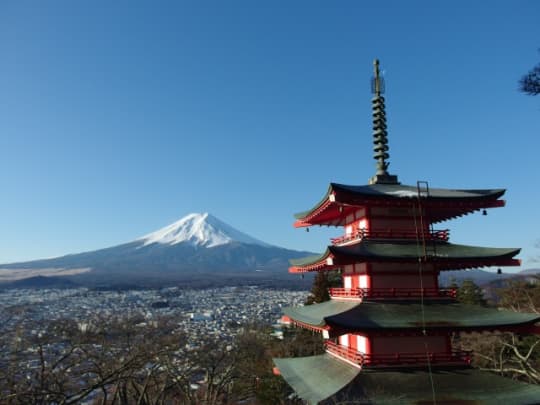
(364, 281)
(356, 342)
(344, 340)
(363, 224)
(347, 282)
(356, 281)
(362, 344)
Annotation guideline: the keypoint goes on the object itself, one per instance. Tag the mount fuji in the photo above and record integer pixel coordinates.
(198, 248)
(202, 230)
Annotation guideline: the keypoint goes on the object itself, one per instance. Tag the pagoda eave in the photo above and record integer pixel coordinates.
(440, 265)
(333, 331)
(524, 329)
(471, 264)
(337, 203)
(394, 317)
(313, 328)
(443, 256)
(328, 380)
(315, 378)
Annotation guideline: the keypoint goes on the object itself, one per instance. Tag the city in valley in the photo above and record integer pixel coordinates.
(218, 312)
(82, 345)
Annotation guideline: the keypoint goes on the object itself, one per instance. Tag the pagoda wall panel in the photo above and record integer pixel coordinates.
(408, 344)
(360, 213)
(357, 268)
(409, 268)
(428, 280)
(395, 225)
(392, 212)
(357, 214)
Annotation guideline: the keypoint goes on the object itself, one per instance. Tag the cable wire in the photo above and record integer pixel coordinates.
(422, 257)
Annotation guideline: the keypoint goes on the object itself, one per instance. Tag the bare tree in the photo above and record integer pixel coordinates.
(508, 353)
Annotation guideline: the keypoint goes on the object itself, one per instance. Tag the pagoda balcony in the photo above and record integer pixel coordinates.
(397, 359)
(385, 293)
(347, 293)
(436, 235)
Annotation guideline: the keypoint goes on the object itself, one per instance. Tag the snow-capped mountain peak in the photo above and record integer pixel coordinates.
(203, 230)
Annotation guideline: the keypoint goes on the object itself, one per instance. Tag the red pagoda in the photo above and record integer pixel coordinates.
(387, 330)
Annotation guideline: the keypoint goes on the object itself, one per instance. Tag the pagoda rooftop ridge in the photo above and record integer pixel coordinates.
(406, 315)
(315, 379)
(446, 203)
(447, 256)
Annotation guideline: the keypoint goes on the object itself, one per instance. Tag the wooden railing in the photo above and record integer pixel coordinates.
(374, 293)
(394, 359)
(345, 352)
(456, 357)
(357, 293)
(437, 235)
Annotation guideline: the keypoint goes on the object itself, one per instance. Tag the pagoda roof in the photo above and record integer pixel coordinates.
(377, 316)
(448, 256)
(317, 378)
(443, 204)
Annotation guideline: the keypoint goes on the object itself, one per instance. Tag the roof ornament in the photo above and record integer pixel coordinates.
(380, 136)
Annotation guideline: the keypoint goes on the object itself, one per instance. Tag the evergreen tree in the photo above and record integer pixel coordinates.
(322, 282)
(319, 290)
(530, 82)
(470, 293)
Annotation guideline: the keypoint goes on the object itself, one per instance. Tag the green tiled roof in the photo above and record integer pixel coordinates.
(315, 314)
(404, 191)
(399, 191)
(367, 315)
(318, 378)
(386, 251)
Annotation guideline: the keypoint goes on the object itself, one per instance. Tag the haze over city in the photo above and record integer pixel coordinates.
(118, 119)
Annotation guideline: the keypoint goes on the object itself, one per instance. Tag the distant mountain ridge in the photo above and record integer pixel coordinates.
(481, 277)
(195, 244)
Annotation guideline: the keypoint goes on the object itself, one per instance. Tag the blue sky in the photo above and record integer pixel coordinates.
(117, 118)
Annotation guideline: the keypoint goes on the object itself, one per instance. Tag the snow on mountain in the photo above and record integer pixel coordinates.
(202, 230)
